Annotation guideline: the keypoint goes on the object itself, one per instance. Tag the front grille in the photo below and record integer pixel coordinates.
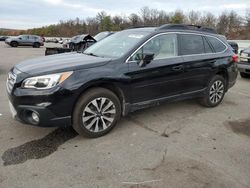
(11, 80)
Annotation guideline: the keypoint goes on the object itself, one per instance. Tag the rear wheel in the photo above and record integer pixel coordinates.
(36, 45)
(96, 112)
(244, 75)
(13, 44)
(215, 92)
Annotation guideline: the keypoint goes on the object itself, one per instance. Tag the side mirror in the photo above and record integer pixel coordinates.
(146, 59)
(20, 38)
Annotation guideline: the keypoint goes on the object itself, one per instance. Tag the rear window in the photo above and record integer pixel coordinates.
(191, 44)
(218, 46)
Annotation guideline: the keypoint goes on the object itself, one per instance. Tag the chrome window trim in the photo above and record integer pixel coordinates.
(165, 33)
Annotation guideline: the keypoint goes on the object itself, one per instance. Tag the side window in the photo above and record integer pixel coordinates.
(25, 37)
(33, 37)
(162, 46)
(191, 44)
(217, 45)
(207, 47)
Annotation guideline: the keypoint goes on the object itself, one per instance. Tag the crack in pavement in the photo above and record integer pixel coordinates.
(221, 169)
(160, 163)
(240, 93)
(164, 134)
(140, 124)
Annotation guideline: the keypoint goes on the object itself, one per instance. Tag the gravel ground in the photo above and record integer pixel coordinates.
(179, 144)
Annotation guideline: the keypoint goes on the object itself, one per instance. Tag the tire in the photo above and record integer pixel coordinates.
(215, 92)
(36, 45)
(244, 75)
(90, 121)
(14, 44)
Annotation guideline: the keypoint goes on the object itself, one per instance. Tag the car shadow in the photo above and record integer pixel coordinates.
(40, 148)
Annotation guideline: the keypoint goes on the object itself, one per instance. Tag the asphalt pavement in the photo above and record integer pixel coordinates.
(174, 145)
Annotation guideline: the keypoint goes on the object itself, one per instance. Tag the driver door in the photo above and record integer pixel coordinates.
(161, 77)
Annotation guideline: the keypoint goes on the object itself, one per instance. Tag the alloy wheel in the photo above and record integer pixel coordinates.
(216, 91)
(98, 114)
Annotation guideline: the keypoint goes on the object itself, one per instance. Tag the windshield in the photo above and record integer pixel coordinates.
(116, 45)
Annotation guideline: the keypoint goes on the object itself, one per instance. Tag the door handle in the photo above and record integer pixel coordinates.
(177, 68)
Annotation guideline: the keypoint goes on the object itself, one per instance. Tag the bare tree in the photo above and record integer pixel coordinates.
(229, 24)
(145, 15)
(100, 16)
(163, 18)
(194, 18)
(135, 20)
(178, 17)
(208, 20)
(223, 24)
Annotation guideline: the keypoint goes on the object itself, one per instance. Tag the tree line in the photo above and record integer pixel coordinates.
(230, 24)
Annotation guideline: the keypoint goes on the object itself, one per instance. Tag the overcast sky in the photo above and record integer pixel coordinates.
(23, 14)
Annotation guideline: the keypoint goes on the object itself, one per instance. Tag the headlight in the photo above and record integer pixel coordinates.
(45, 82)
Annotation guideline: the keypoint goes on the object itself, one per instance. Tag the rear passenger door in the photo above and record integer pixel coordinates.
(31, 40)
(198, 60)
(24, 40)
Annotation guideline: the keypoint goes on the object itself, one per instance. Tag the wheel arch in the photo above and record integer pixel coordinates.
(224, 74)
(106, 85)
(14, 41)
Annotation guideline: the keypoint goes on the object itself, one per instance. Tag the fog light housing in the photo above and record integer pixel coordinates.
(35, 117)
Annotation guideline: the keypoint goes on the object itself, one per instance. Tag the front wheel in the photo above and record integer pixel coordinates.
(96, 112)
(215, 92)
(14, 44)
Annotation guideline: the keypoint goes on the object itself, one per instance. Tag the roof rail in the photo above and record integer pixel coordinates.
(138, 27)
(187, 27)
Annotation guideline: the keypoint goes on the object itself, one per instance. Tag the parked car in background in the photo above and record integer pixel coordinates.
(127, 71)
(76, 43)
(3, 38)
(244, 64)
(60, 41)
(51, 40)
(234, 45)
(81, 42)
(103, 35)
(25, 40)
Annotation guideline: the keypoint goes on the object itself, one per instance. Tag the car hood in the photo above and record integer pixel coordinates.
(9, 38)
(60, 63)
(247, 50)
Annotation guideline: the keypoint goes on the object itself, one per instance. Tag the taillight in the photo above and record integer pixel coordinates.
(235, 58)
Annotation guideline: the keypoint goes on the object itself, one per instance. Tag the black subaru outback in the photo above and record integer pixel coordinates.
(130, 70)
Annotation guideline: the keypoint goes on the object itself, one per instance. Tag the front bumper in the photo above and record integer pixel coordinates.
(47, 118)
(53, 107)
(244, 67)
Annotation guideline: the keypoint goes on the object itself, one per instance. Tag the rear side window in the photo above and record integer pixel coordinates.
(207, 47)
(217, 44)
(191, 44)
